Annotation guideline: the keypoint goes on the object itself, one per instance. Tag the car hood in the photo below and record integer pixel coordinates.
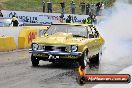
(60, 38)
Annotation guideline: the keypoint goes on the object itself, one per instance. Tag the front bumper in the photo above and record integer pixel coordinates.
(55, 52)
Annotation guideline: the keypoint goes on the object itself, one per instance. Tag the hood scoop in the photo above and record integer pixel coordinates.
(59, 37)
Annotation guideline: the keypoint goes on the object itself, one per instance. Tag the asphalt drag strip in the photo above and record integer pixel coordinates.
(16, 71)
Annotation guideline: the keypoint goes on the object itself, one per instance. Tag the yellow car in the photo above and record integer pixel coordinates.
(64, 42)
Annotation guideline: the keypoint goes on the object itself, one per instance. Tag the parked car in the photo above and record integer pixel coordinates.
(64, 42)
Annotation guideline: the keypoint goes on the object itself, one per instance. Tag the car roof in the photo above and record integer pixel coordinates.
(74, 24)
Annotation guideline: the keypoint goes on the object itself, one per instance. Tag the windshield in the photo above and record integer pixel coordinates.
(77, 31)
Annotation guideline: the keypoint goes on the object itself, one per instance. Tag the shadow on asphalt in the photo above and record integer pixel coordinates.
(66, 66)
(59, 66)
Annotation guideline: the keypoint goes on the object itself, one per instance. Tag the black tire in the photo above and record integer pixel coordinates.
(95, 60)
(54, 62)
(83, 60)
(34, 61)
(82, 80)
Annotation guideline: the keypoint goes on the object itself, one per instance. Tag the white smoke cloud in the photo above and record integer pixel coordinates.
(117, 31)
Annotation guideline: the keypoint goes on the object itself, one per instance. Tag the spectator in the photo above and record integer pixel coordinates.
(43, 6)
(88, 20)
(90, 14)
(75, 19)
(94, 20)
(82, 4)
(83, 21)
(98, 7)
(1, 15)
(69, 19)
(61, 18)
(92, 7)
(49, 6)
(14, 21)
(87, 8)
(102, 8)
(62, 6)
(73, 7)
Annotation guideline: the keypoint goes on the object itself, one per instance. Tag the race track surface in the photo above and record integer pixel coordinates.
(16, 71)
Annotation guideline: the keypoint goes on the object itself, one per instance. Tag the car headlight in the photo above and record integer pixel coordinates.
(74, 48)
(35, 46)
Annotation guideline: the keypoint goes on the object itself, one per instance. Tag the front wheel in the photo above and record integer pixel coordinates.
(34, 61)
(83, 60)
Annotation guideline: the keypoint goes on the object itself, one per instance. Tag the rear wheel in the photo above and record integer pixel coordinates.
(83, 60)
(34, 61)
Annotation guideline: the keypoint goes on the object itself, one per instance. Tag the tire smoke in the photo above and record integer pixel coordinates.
(117, 31)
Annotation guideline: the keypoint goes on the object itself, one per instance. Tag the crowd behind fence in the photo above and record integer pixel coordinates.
(72, 7)
(86, 8)
(93, 10)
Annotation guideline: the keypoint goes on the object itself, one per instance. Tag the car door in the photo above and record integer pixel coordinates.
(92, 43)
(97, 40)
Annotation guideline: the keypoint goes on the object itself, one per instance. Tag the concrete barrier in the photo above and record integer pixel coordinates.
(7, 43)
(11, 31)
(21, 36)
(26, 35)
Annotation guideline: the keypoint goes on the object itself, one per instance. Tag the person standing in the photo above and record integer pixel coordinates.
(69, 19)
(43, 6)
(92, 7)
(102, 8)
(49, 6)
(14, 21)
(98, 7)
(83, 21)
(82, 4)
(73, 7)
(62, 7)
(88, 20)
(94, 20)
(61, 17)
(87, 8)
(1, 15)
